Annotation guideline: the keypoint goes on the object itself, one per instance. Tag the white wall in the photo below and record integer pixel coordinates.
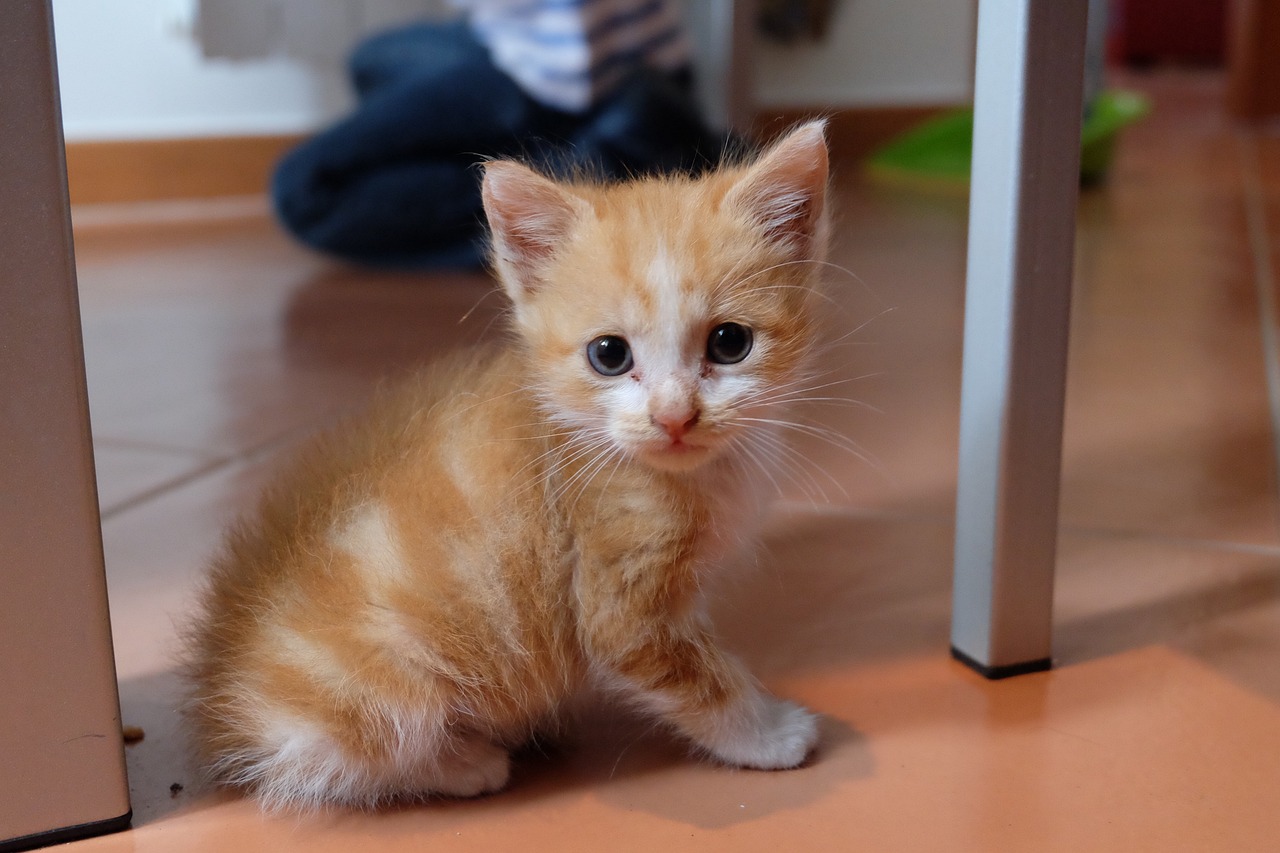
(133, 69)
(876, 52)
(127, 69)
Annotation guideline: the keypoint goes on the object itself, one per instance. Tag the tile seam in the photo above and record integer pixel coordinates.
(107, 442)
(163, 488)
(1083, 531)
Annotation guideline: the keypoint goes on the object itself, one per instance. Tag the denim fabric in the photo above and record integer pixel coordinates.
(396, 183)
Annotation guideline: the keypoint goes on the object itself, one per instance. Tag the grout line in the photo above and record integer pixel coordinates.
(1153, 537)
(165, 487)
(1265, 283)
(248, 456)
(274, 444)
(214, 461)
(871, 514)
(107, 442)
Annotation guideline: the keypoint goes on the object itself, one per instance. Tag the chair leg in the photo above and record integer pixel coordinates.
(1025, 178)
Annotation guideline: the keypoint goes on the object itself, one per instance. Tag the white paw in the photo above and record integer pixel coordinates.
(778, 736)
(478, 768)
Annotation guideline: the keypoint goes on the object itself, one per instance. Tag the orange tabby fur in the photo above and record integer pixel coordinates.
(427, 587)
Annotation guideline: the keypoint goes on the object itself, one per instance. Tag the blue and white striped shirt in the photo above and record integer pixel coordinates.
(568, 54)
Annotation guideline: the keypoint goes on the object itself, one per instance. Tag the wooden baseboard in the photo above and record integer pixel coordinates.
(164, 169)
(217, 167)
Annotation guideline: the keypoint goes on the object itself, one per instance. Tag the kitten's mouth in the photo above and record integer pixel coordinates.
(676, 454)
(678, 445)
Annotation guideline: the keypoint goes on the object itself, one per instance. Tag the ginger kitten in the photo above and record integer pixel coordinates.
(426, 588)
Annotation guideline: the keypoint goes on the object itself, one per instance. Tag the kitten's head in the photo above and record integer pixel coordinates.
(662, 318)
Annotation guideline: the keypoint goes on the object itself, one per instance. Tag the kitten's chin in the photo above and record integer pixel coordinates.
(676, 458)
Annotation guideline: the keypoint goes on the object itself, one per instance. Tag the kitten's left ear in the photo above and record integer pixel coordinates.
(785, 191)
(530, 217)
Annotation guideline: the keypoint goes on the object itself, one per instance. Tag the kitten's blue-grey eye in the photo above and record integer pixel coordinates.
(610, 355)
(729, 343)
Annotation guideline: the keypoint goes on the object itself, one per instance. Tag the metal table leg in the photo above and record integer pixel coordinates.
(1021, 235)
(61, 748)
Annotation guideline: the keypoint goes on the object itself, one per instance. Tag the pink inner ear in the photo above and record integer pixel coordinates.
(529, 216)
(785, 190)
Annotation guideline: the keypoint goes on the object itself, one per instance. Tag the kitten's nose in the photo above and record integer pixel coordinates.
(675, 423)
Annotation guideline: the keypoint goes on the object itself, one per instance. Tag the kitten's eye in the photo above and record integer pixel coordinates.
(729, 343)
(610, 355)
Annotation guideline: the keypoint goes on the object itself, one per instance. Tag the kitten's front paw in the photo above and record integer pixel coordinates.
(780, 738)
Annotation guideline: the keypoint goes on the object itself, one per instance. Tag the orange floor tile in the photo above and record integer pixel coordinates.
(213, 343)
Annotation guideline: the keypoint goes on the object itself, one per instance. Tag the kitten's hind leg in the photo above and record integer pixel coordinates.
(357, 759)
(468, 766)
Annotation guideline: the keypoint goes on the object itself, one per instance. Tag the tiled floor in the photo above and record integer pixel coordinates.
(213, 343)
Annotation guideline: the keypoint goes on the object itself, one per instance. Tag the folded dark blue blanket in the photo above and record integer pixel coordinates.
(396, 184)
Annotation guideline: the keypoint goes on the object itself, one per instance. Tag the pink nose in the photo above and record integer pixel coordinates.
(675, 424)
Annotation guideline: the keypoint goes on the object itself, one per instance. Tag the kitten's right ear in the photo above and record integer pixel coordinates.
(529, 217)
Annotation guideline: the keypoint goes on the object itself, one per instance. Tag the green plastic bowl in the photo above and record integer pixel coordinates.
(939, 150)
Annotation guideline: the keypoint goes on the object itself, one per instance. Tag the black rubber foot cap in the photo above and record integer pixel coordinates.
(995, 673)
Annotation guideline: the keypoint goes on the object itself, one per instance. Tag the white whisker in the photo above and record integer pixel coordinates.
(862, 325)
(829, 436)
(780, 447)
(792, 393)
